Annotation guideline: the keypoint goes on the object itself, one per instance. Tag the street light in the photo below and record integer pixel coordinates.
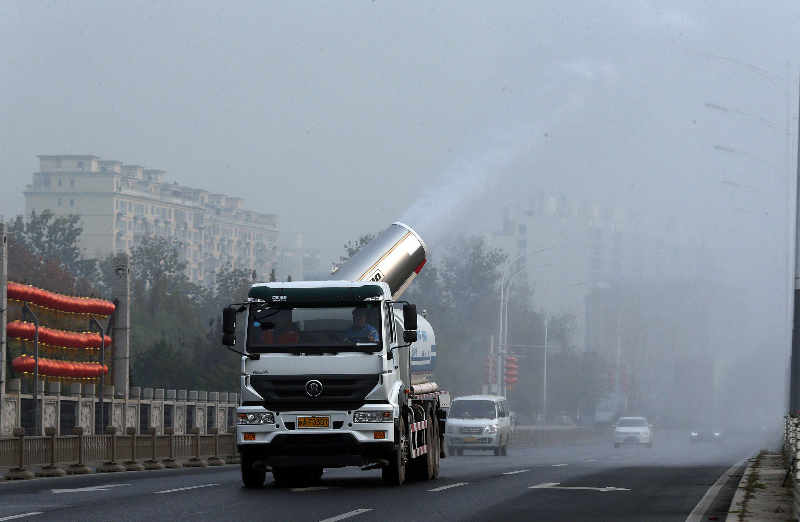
(792, 341)
(500, 340)
(503, 347)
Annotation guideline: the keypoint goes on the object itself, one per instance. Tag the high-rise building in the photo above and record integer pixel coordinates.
(119, 204)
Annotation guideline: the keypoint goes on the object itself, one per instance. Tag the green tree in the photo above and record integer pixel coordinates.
(55, 238)
(354, 246)
(233, 283)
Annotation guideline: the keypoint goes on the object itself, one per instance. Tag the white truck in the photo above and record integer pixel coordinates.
(334, 373)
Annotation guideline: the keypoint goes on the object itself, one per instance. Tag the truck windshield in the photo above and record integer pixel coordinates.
(314, 329)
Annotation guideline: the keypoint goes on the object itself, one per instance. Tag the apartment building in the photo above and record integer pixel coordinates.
(119, 204)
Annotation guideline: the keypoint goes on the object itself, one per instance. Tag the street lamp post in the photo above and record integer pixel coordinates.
(500, 340)
(792, 298)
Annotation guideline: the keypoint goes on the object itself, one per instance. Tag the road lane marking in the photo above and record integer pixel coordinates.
(699, 510)
(555, 485)
(312, 488)
(592, 460)
(515, 472)
(90, 488)
(449, 486)
(13, 517)
(558, 465)
(184, 489)
(346, 515)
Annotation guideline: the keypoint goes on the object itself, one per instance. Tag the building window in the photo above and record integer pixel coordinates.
(59, 204)
(80, 165)
(71, 182)
(72, 204)
(59, 184)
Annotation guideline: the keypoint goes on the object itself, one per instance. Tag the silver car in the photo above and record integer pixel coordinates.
(478, 422)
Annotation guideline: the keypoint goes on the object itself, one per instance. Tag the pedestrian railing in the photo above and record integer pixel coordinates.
(73, 451)
(540, 436)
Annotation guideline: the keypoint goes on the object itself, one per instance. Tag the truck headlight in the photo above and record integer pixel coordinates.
(490, 429)
(256, 418)
(373, 416)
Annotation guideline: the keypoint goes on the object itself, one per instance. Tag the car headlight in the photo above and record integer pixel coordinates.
(373, 416)
(490, 429)
(256, 418)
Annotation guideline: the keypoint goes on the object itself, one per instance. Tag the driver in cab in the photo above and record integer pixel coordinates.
(283, 331)
(360, 330)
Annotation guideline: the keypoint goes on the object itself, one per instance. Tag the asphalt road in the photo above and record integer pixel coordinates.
(673, 481)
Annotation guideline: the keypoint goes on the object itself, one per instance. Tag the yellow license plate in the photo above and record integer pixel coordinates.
(470, 439)
(313, 422)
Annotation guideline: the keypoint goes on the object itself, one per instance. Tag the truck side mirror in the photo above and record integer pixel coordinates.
(229, 326)
(410, 317)
(410, 336)
(229, 320)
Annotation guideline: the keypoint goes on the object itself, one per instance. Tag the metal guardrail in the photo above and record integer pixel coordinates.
(540, 436)
(38, 451)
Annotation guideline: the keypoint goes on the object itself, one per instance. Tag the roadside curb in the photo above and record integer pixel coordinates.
(761, 495)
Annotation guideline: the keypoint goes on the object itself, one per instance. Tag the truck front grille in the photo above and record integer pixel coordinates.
(339, 392)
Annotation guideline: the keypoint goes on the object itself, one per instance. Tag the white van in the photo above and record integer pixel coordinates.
(478, 422)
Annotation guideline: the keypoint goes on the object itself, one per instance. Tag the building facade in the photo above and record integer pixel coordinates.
(119, 204)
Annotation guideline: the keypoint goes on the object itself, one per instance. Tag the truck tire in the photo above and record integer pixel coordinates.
(451, 451)
(251, 477)
(436, 451)
(395, 473)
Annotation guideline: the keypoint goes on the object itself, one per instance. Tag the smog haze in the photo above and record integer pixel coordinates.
(341, 118)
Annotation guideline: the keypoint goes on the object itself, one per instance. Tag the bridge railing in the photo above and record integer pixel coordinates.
(97, 449)
(547, 435)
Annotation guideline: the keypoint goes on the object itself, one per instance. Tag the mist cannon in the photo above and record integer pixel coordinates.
(394, 257)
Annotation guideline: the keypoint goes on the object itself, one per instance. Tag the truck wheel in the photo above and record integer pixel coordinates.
(436, 446)
(460, 452)
(451, 451)
(497, 451)
(252, 478)
(395, 473)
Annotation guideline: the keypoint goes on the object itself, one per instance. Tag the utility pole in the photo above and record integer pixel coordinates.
(794, 365)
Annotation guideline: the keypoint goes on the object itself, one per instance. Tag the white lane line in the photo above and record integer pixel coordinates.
(555, 485)
(313, 488)
(515, 472)
(91, 488)
(558, 465)
(449, 486)
(346, 515)
(592, 460)
(697, 513)
(184, 489)
(13, 517)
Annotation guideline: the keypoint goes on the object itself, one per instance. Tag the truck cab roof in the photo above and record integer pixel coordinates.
(319, 291)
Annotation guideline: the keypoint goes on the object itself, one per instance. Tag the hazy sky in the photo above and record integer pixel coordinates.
(342, 117)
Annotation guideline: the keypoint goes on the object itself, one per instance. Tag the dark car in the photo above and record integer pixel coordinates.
(706, 434)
